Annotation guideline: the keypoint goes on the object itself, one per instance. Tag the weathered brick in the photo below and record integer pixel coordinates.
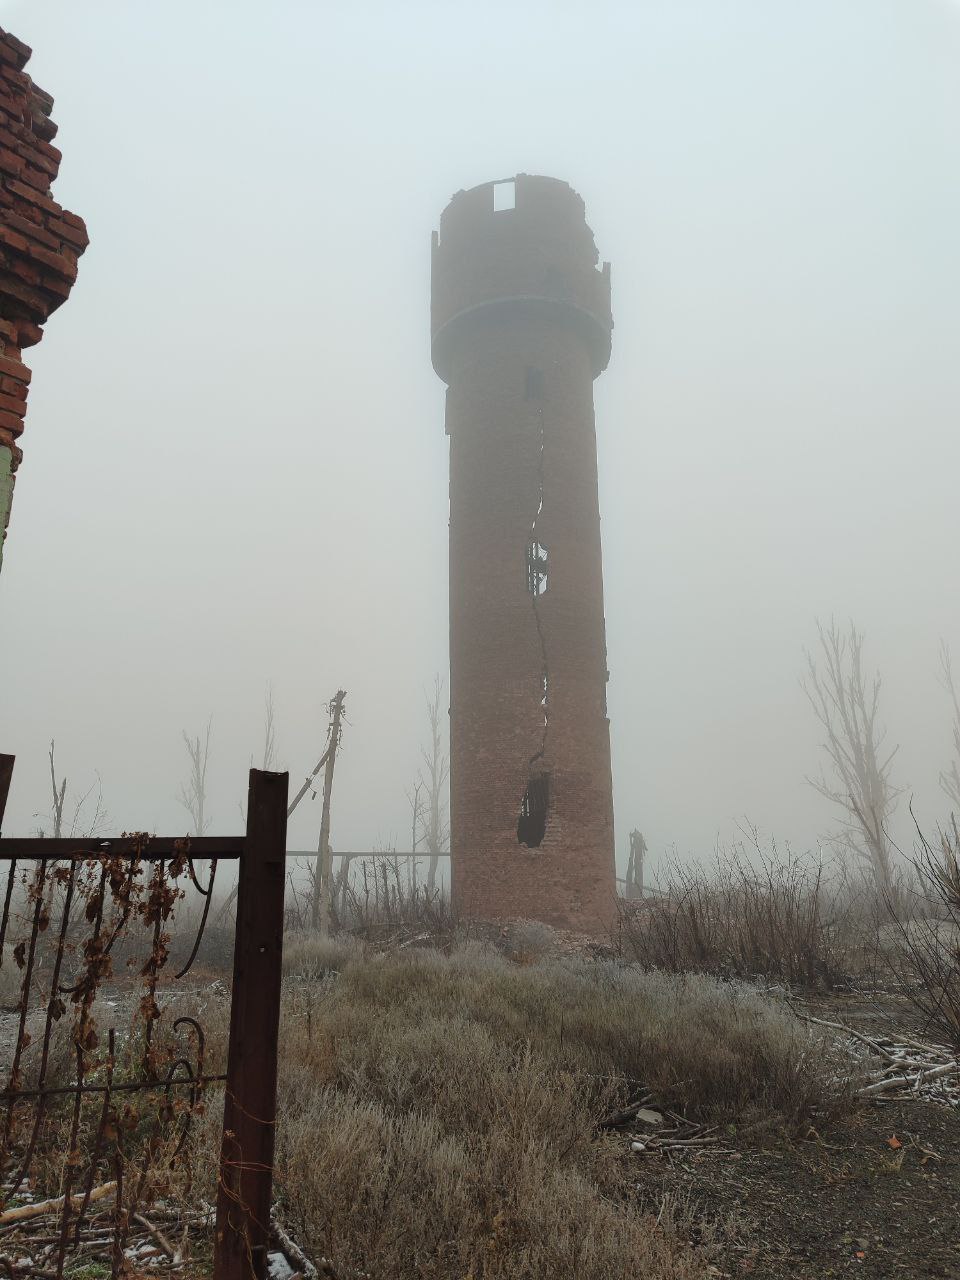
(35, 178)
(8, 438)
(11, 238)
(58, 285)
(12, 422)
(523, 469)
(11, 56)
(10, 162)
(10, 387)
(43, 126)
(56, 262)
(32, 196)
(23, 269)
(23, 51)
(20, 128)
(10, 366)
(32, 230)
(43, 99)
(28, 334)
(12, 404)
(11, 109)
(53, 154)
(18, 82)
(38, 262)
(69, 231)
(50, 167)
(28, 298)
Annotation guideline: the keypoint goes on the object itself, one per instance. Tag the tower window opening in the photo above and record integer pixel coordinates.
(504, 196)
(536, 568)
(532, 823)
(534, 384)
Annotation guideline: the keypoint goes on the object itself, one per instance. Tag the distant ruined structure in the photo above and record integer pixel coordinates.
(521, 326)
(40, 244)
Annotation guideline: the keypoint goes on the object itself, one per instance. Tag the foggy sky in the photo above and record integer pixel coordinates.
(235, 469)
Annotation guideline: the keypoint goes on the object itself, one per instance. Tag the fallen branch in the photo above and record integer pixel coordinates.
(24, 1211)
(914, 1083)
(847, 1031)
(296, 1255)
(158, 1237)
(620, 1118)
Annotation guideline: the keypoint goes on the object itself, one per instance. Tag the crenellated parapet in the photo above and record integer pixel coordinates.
(535, 257)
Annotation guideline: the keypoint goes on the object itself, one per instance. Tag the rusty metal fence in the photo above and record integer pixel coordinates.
(95, 1119)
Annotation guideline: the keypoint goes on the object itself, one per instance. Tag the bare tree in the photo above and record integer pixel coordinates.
(927, 961)
(82, 822)
(269, 742)
(415, 797)
(59, 795)
(434, 772)
(269, 731)
(857, 778)
(950, 780)
(193, 793)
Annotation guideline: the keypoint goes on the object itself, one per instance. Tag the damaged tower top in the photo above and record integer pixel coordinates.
(40, 244)
(521, 326)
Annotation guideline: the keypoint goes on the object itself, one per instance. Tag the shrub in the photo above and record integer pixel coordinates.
(440, 1115)
(775, 916)
(925, 951)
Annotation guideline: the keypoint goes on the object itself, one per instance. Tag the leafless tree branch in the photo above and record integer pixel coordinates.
(193, 793)
(857, 779)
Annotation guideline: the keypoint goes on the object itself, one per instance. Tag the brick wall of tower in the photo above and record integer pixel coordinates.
(524, 457)
(40, 245)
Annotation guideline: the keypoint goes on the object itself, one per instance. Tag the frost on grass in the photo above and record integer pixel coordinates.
(441, 1115)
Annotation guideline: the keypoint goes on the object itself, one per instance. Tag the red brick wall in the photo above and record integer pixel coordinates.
(518, 290)
(40, 243)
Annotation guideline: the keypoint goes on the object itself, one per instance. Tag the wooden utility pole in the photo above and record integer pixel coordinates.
(307, 784)
(323, 877)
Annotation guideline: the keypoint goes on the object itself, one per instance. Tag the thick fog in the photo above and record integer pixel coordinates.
(235, 471)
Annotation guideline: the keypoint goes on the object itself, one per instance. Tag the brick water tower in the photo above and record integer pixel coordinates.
(521, 326)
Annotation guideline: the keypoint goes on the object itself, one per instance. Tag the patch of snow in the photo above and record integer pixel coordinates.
(278, 1268)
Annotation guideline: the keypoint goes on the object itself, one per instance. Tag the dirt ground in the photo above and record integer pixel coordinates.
(876, 1195)
(847, 1201)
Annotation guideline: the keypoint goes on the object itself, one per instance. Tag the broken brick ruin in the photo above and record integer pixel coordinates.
(521, 326)
(40, 244)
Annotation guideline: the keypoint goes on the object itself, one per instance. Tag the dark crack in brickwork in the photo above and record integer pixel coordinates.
(521, 327)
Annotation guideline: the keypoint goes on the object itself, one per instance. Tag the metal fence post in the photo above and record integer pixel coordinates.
(6, 774)
(250, 1105)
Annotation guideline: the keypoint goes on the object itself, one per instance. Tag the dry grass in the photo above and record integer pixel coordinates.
(757, 913)
(440, 1111)
(439, 1115)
